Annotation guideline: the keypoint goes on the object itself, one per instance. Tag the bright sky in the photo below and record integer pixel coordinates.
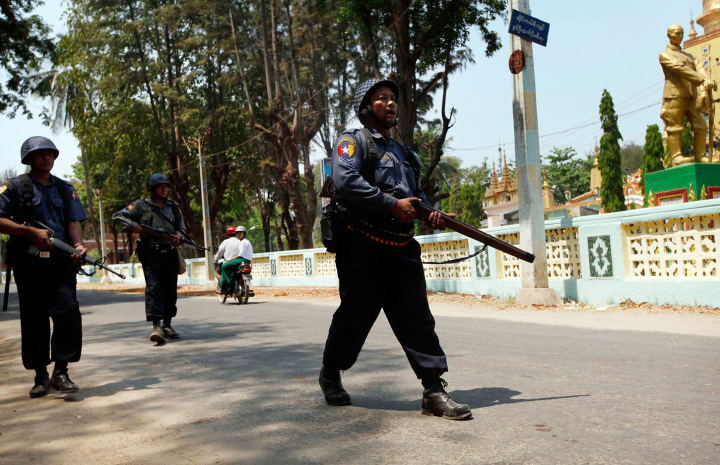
(613, 44)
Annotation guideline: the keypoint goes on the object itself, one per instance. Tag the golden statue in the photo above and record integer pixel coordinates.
(651, 199)
(691, 194)
(703, 193)
(680, 99)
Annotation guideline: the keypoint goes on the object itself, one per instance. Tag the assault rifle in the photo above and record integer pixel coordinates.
(424, 211)
(69, 250)
(62, 247)
(150, 231)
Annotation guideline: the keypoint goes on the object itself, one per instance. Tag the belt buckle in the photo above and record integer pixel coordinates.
(44, 254)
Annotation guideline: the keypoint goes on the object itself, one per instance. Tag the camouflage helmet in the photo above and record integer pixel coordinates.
(155, 179)
(365, 91)
(34, 144)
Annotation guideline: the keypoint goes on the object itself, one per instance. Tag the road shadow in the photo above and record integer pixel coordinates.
(110, 389)
(476, 398)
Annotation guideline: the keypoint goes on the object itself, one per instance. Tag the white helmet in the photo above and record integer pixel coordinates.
(240, 229)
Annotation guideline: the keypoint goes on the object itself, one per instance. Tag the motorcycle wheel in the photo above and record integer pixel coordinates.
(221, 297)
(244, 292)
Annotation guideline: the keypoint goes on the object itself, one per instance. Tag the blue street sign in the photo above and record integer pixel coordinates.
(529, 28)
(326, 167)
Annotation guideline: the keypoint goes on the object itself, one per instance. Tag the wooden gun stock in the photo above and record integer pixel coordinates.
(465, 229)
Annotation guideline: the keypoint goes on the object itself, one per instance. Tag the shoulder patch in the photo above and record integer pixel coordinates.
(346, 147)
(5, 186)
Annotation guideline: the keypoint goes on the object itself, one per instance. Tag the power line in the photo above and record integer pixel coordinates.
(569, 130)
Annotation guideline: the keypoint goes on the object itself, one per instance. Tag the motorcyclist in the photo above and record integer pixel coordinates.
(232, 264)
(228, 250)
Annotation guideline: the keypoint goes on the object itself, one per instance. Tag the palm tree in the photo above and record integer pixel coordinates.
(71, 97)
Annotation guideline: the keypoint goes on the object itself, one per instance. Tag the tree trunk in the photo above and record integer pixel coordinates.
(115, 245)
(89, 195)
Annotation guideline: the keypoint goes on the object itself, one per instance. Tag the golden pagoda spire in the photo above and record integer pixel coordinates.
(595, 176)
(493, 181)
(693, 33)
(597, 153)
(505, 172)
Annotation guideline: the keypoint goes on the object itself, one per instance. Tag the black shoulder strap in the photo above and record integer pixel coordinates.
(26, 194)
(371, 152)
(370, 155)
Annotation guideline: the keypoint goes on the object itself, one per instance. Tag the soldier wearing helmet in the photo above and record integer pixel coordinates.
(54, 202)
(159, 257)
(378, 262)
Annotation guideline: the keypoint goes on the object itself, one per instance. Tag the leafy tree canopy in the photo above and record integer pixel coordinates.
(24, 44)
(609, 159)
(567, 172)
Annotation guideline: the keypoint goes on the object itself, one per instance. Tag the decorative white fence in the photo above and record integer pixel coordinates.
(660, 255)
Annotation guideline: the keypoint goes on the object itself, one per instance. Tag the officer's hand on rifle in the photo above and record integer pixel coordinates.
(78, 258)
(138, 229)
(41, 238)
(404, 210)
(176, 240)
(436, 220)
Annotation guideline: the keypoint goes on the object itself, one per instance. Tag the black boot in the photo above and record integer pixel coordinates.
(168, 332)
(42, 384)
(332, 387)
(437, 402)
(157, 335)
(61, 381)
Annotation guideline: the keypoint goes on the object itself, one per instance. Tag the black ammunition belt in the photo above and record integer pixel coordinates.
(380, 235)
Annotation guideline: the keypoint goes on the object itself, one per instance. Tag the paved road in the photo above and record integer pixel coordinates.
(240, 387)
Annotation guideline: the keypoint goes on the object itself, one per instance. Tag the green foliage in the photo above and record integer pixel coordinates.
(609, 160)
(653, 154)
(24, 45)
(567, 172)
(467, 191)
(135, 80)
(422, 40)
(631, 156)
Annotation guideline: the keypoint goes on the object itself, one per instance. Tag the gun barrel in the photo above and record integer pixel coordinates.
(165, 235)
(68, 249)
(466, 230)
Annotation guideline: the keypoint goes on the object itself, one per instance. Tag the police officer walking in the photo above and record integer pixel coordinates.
(46, 281)
(378, 261)
(159, 256)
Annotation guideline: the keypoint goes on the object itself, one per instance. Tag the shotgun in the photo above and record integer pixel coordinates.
(465, 229)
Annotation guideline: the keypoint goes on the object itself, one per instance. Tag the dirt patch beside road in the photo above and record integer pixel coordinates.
(329, 295)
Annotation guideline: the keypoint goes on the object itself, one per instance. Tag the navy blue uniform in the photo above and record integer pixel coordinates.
(46, 286)
(158, 256)
(372, 274)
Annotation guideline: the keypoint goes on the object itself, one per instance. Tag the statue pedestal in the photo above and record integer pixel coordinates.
(683, 183)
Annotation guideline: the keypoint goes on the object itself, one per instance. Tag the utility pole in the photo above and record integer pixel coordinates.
(535, 290)
(207, 227)
(106, 276)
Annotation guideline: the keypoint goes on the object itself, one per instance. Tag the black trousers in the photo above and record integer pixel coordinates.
(161, 276)
(47, 289)
(371, 279)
